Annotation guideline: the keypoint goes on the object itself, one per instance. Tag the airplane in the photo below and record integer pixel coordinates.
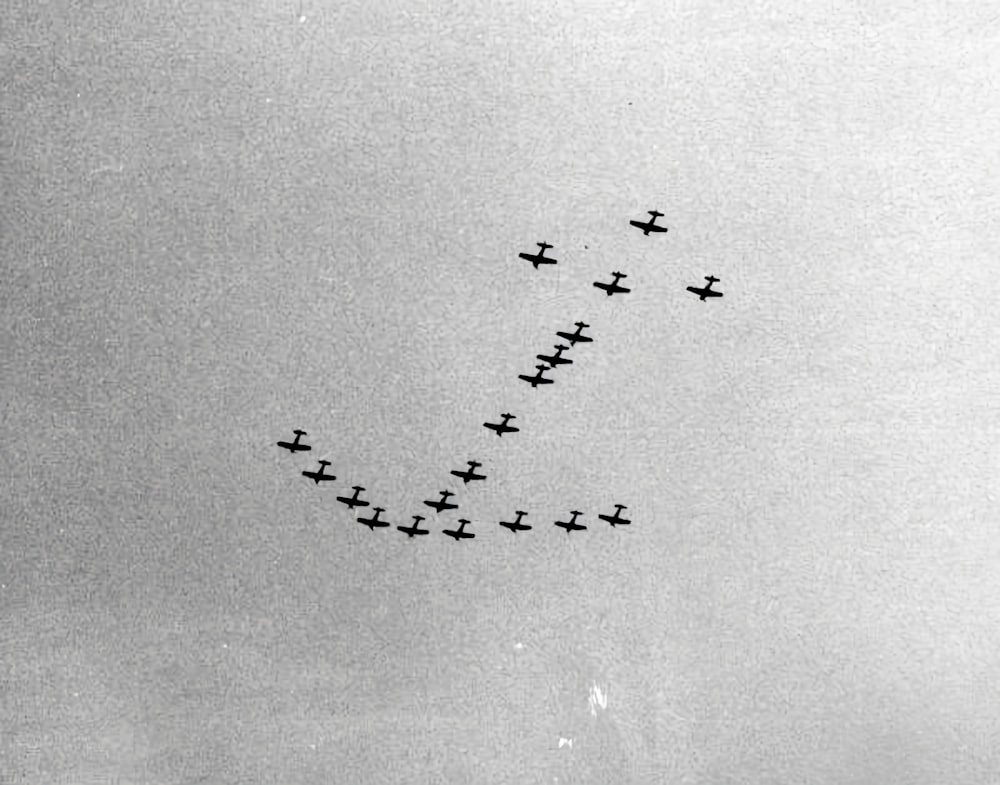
(295, 446)
(319, 476)
(651, 225)
(557, 358)
(443, 504)
(469, 474)
(613, 287)
(354, 501)
(537, 379)
(373, 522)
(707, 291)
(571, 525)
(516, 526)
(412, 531)
(616, 519)
(575, 338)
(461, 534)
(540, 257)
(502, 428)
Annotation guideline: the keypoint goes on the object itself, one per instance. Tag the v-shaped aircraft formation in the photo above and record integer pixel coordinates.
(443, 505)
(550, 362)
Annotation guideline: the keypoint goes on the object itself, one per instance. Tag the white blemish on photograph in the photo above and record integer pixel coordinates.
(597, 697)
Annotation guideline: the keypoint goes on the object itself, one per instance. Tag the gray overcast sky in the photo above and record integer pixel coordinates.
(223, 221)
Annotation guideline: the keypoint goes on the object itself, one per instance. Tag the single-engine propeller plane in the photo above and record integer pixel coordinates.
(613, 287)
(319, 476)
(460, 533)
(537, 379)
(616, 519)
(442, 504)
(571, 525)
(651, 225)
(414, 529)
(502, 427)
(295, 446)
(516, 525)
(707, 291)
(538, 258)
(557, 358)
(578, 336)
(354, 501)
(468, 475)
(374, 522)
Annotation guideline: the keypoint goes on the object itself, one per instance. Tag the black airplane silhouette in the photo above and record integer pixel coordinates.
(502, 428)
(707, 291)
(651, 226)
(577, 337)
(557, 358)
(613, 287)
(443, 503)
(616, 519)
(540, 257)
(319, 476)
(295, 446)
(516, 526)
(412, 531)
(537, 379)
(469, 474)
(373, 522)
(460, 534)
(571, 525)
(354, 501)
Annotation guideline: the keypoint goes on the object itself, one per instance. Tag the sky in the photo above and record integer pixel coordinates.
(222, 222)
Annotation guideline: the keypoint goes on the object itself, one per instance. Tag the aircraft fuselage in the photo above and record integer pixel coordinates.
(373, 523)
(575, 338)
(441, 506)
(468, 477)
(704, 294)
(500, 429)
(318, 477)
